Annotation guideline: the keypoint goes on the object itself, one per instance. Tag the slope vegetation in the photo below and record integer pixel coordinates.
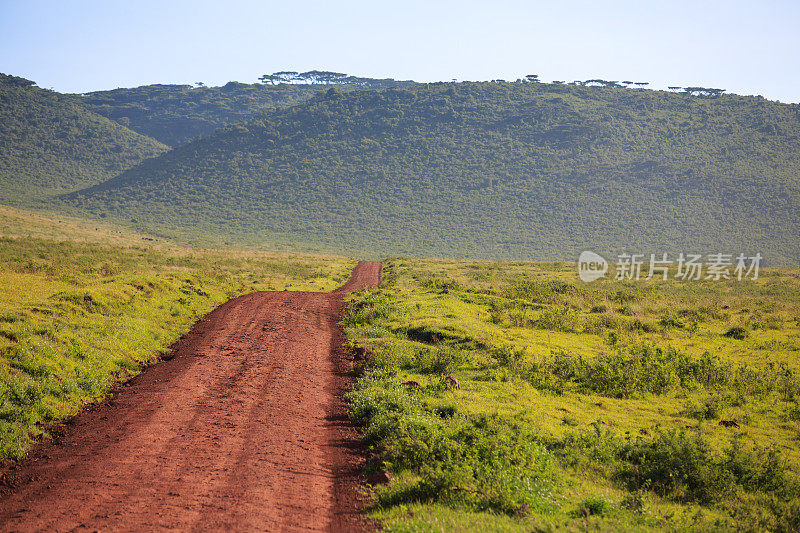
(50, 145)
(503, 170)
(175, 114)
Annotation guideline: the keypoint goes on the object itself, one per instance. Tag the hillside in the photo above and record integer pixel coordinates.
(175, 114)
(485, 170)
(51, 145)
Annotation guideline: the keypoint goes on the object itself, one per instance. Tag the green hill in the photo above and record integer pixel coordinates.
(502, 170)
(51, 145)
(175, 114)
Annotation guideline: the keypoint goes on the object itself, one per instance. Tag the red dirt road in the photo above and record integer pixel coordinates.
(242, 428)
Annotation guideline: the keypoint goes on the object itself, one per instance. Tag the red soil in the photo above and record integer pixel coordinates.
(242, 427)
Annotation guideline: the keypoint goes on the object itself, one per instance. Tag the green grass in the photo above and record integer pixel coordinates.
(77, 317)
(24, 223)
(581, 406)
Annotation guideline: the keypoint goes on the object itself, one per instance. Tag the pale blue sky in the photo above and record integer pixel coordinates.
(748, 47)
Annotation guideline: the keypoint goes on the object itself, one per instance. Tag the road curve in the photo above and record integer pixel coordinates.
(241, 428)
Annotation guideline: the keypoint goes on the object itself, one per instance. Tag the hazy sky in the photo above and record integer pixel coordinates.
(750, 47)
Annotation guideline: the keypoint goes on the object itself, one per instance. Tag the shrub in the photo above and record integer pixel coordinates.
(367, 310)
(685, 468)
(634, 502)
(519, 318)
(640, 325)
(708, 410)
(736, 332)
(394, 356)
(756, 469)
(425, 334)
(680, 467)
(509, 357)
(623, 297)
(668, 320)
(787, 514)
(377, 392)
(569, 420)
(441, 359)
(558, 319)
(577, 448)
(491, 463)
(596, 324)
(625, 373)
(496, 313)
(594, 505)
(441, 284)
(543, 292)
(758, 321)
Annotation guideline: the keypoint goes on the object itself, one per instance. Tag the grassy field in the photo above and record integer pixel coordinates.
(18, 223)
(605, 406)
(84, 306)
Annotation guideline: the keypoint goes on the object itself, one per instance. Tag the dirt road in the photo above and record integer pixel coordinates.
(242, 428)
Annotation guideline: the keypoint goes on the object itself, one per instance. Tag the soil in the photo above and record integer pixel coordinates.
(242, 427)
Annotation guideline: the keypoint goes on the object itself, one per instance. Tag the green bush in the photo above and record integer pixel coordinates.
(509, 357)
(633, 371)
(558, 319)
(669, 320)
(710, 409)
(634, 502)
(679, 466)
(685, 468)
(491, 463)
(441, 285)
(580, 448)
(542, 292)
(441, 359)
(594, 505)
(367, 310)
(736, 332)
(758, 469)
(597, 324)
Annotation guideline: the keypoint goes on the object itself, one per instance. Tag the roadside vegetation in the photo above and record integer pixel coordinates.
(612, 405)
(77, 317)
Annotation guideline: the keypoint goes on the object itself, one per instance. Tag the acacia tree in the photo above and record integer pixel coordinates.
(270, 79)
(323, 77)
(703, 91)
(601, 83)
(286, 76)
